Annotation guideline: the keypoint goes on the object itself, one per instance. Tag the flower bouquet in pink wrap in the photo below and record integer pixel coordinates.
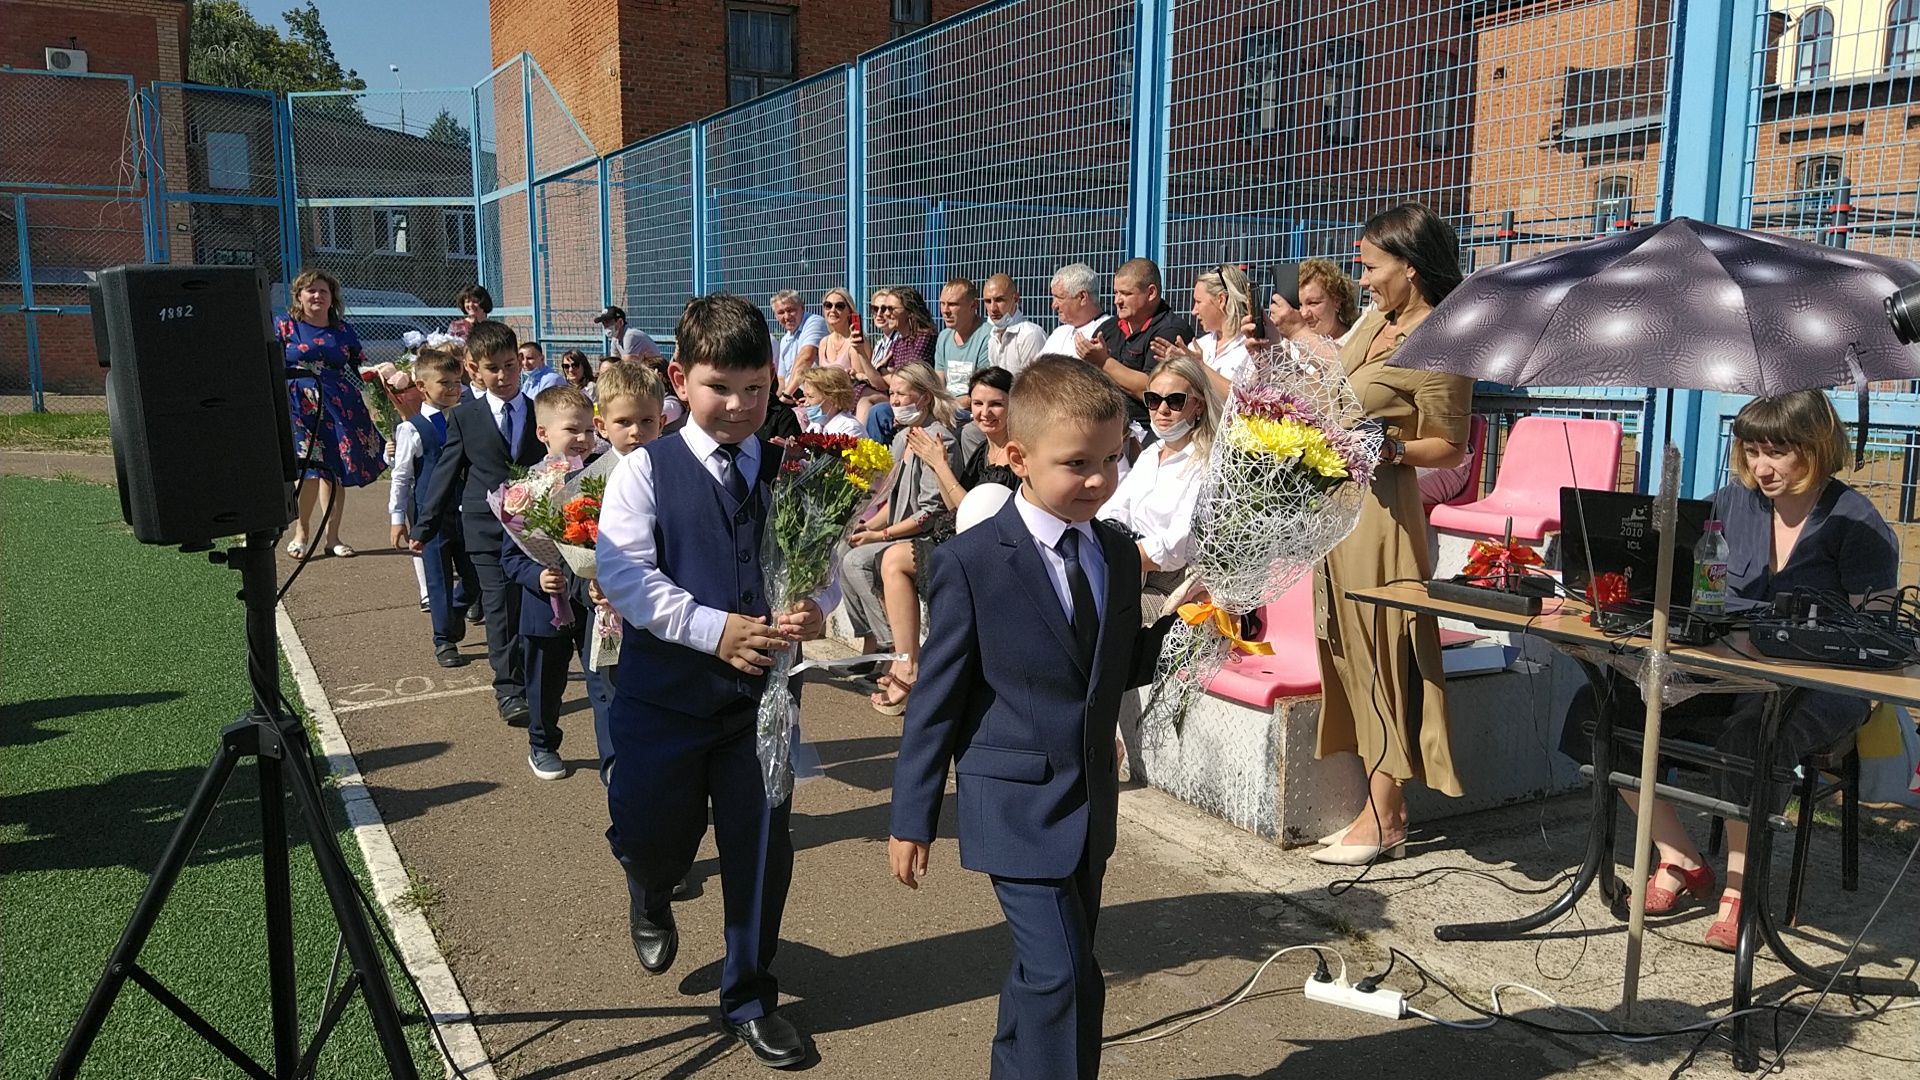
(553, 519)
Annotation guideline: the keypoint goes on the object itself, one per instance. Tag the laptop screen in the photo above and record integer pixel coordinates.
(1612, 532)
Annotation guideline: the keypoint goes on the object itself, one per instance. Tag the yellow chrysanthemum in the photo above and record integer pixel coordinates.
(1285, 439)
(1324, 459)
(867, 459)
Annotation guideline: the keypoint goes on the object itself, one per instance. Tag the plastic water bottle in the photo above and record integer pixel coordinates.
(1710, 571)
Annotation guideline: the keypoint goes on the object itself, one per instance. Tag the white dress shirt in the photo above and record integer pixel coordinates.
(1226, 359)
(1046, 531)
(1061, 340)
(406, 465)
(499, 406)
(840, 424)
(1156, 501)
(1016, 344)
(630, 575)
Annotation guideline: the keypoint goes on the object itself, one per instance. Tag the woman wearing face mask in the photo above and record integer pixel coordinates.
(826, 394)
(1220, 300)
(910, 505)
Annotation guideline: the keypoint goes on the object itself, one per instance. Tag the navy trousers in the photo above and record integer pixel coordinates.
(442, 557)
(1054, 999)
(548, 659)
(600, 686)
(672, 765)
(500, 601)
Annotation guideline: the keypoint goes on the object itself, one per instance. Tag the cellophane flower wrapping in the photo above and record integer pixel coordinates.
(1285, 481)
(555, 518)
(824, 483)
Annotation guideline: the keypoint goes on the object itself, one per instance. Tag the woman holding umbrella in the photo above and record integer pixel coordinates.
(1382, 686)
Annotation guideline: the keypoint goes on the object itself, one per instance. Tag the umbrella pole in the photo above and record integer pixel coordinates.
(1652, 678)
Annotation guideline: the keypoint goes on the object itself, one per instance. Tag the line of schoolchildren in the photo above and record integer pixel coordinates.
(1023, 715)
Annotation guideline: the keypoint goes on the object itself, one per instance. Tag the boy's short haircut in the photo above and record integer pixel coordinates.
(725, 331)
(560, 397)
(487, 339)
(1056, 390)
(628, 379)
(448, 360)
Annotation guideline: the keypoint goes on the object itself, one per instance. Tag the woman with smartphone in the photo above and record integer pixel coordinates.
(1221, 298)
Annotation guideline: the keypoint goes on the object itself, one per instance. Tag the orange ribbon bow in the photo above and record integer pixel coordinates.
(1226, 624)
(1493, 559)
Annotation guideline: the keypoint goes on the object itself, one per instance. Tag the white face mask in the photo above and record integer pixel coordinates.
(1004, 321)
(1174, 432)
(906, 415)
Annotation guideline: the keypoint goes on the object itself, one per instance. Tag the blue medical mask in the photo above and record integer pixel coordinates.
(816, 415)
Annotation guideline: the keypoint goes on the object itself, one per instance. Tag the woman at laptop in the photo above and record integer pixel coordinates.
(1791, 525)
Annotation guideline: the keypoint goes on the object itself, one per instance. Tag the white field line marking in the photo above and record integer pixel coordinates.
(418, 949)
(408, 699)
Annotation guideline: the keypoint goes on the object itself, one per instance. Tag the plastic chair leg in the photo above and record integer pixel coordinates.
(1850, 821)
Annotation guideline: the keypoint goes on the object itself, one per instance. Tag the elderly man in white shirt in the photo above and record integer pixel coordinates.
(1013, 342)
(799, 348)
(1076, 299)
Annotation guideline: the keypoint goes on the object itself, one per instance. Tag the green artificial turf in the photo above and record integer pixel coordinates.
(119, 665)
(85, 431)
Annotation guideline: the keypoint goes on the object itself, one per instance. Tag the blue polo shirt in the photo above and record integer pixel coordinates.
(1845, 547)
(957, 362)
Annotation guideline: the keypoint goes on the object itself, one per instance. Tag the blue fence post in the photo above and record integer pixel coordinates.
(699, 171)
(533, 228)
(606, 233)
(1704, 176)
(857, 181)
(34, 388)
(153, 233)
(1147, 183)
(481, 264)
(288, 190)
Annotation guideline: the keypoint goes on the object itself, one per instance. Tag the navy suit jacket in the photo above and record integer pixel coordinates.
(1002, 696)
(473, 462)
(536, 612)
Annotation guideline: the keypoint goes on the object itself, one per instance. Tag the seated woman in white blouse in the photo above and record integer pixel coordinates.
(1155, 500)
(826, 399)
(1221, 297)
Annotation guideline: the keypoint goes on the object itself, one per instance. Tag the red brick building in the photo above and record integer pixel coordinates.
(628, 69)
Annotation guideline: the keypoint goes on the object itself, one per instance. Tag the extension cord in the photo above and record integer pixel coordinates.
(1390, 1004)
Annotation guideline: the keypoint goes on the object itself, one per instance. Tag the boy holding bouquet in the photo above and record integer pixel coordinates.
(1034, 635)
(696, 649)
(563, 420)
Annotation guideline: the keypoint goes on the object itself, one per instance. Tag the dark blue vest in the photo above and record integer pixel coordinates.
(710, 547)
(431, 443)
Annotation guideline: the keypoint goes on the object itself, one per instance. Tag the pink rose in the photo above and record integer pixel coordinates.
(517, 500)
(400, 380)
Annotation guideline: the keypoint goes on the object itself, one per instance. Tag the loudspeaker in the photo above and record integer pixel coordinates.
(196, 400)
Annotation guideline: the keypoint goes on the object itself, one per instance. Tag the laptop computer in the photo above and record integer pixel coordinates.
(1612, 532)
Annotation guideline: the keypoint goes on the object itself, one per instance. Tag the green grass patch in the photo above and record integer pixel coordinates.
(122, 664)
(83, 432)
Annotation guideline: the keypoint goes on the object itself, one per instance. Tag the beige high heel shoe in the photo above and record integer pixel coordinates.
(1360, 854)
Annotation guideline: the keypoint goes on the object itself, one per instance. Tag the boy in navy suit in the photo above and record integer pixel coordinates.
(417, 446)
(564, 420)
(679, 557)
(486, 436)
(1033, 636)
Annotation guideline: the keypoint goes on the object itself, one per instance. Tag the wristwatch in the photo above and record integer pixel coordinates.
(1393, 451)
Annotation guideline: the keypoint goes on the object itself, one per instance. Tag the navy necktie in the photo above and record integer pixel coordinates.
(1086, 618)
(439, 420)
(736, 484)
(513, 426)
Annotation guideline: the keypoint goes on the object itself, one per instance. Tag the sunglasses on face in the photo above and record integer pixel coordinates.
(572, 364)
(836, 305)
(881, 309)
(1176, 402)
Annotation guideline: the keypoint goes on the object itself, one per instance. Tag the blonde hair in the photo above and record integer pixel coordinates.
(560, 396)
(1057, 389)
(1803, 421)
(833, 385)
(338, 308)
(628, 378)
(1230, 284)
(921, 378)
(1339, 288)
(1207, 421)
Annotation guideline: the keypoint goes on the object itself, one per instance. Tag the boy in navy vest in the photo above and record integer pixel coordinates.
(1033, 636)
(679, 558)
(417, 444)
(563, 419)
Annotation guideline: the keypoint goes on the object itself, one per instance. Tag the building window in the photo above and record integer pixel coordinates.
(1120, 47)
(910, 15)
(1612, 203)
(759, 51)
(461, 233)
(1261, 65)
(1439, 100)
(1813, 48)
(1903, 35)
(390, 232)
(227, 161)
(1823, 180)
(1340, 97)
(330, 226)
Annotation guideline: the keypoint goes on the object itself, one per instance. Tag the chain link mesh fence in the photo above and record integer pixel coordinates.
(650, 203)
(570, 251)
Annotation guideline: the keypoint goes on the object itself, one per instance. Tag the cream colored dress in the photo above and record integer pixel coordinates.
(1373, 658)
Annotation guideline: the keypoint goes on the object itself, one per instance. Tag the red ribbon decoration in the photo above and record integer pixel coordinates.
(1607, 591)
(1494, 563)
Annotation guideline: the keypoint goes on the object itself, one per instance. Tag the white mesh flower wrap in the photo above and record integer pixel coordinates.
(1285, 481)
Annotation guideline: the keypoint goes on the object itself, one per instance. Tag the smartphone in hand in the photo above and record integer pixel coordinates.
(1286, 282)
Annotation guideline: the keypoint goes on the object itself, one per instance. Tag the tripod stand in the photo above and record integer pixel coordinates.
(278, 745)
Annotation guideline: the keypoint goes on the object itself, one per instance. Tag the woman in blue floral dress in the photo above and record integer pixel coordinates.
(334, 437)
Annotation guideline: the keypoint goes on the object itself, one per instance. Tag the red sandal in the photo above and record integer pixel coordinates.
(1724, 934)
(1697, 882)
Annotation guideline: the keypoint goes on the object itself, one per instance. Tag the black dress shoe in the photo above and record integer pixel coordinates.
(514, 711)
(475, 615)
(771, 1038)
(448, 654)
(685, 890)
(654, 943)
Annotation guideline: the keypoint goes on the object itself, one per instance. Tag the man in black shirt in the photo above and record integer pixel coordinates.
(1123, 346)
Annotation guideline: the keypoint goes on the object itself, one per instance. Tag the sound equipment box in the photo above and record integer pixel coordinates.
(196, 401)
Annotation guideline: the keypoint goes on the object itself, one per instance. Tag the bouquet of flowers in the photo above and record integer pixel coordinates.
(555, 519)
(1285, 482)
(824, 482)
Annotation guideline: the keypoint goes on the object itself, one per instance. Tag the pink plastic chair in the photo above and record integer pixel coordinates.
(1455, 486)
(1294, 668)
(1542, 455)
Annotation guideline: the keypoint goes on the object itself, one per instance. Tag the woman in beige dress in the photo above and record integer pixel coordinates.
(1383, 694)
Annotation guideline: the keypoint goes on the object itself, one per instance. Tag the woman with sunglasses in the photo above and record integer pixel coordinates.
(578, 371)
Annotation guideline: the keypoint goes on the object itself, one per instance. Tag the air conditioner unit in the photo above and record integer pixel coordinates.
(69, 61)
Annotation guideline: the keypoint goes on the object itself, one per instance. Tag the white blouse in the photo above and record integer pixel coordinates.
(1155, 501)
(1226, 359)
(840, 424)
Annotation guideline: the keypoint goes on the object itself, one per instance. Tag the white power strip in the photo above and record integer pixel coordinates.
(1383, 1002)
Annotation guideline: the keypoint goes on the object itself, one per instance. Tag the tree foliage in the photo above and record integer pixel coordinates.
(446, 129)
(229, 47)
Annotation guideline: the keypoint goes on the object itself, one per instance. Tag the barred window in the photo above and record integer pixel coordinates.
(1261, 68)
(760, 54)
(1903, 35)
(1813, 48)
(1340, 95)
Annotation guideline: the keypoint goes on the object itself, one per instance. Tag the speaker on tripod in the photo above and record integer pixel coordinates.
(202, 442)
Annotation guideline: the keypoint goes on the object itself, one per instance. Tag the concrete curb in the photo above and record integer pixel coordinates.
(418, 947)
